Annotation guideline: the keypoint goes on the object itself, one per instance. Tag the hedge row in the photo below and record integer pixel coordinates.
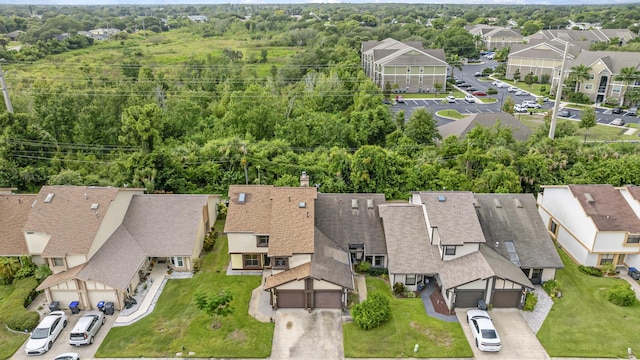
(590, 270)
(13, 312)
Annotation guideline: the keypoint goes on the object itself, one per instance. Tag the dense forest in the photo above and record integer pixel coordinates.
(260, 93)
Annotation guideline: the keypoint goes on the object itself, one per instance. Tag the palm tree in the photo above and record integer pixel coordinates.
(454, 61)
(8, 268)
(627, 75)
(579, 73)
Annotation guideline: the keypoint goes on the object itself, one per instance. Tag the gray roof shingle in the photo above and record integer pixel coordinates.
(455, 217)
(463, 126)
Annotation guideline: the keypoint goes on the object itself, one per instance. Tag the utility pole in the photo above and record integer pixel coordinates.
(5, 92)
(556, 105)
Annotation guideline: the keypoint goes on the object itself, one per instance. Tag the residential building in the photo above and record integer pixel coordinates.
(496, 37)
(463, 126)
(595, 224)
(100, 241)
(406, 67)
(14, 209)
(541, 57)
(591, 35)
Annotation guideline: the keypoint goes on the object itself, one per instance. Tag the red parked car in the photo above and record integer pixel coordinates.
(479, 93)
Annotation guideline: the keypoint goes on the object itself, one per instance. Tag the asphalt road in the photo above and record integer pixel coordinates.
(603, 115)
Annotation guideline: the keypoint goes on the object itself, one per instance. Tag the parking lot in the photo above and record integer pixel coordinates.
(61, 345)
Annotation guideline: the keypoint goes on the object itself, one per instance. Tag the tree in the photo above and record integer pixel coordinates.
(8, 268)
(516, 75)
(587, 121)
(579, 73)
(627, 75)
(421, 127)
(141, 126)
(507, 105)
(216, 304)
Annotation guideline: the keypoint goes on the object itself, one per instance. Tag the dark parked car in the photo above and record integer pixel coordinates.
(464, 85)
(617, 110)
(632, 111)
(564, 113)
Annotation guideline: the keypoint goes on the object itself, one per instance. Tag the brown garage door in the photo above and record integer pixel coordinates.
(290, 299)
(328, 299)
(468, 298)
(506, 298)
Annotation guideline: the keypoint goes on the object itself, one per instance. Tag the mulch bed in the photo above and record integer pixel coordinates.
(439, 305)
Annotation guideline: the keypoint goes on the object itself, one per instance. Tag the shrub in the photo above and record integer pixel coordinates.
(13, 312)
(551, 286)
(222, 210)
(196, 265)
(378, 271)
(372, 312)
(25, 272)
(210, 241)
(399, 288)
(364, 267)
(492, 91)
(530, 301)
(622, 295)
(590, 270)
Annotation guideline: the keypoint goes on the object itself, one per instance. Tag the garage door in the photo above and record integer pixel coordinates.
(468, 298)
(506, 298)
(328, 299)
(290, 299)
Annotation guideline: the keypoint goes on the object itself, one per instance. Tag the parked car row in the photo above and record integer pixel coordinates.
(48, 330)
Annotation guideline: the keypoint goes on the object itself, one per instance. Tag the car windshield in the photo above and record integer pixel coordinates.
(40, 333)
(489, 334)
(64, 358)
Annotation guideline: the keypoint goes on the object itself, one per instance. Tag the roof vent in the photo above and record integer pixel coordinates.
(94, 206)
(34, 203)
(513, 255)
(519, 203)
(242, 197)
(370, 203)
(589, 197)
(302, 204)
(354, 203)
(49, 197)
(497, 202)
(441, 198)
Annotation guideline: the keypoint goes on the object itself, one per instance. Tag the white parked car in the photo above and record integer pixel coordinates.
(469, 98)
(617, 122)
(86, 329)
(483, 331)
(68, 356)
(496, 82)
(512, 89)
(46, 333)
(451, 99)
(503, 85)
(521, 93)
(520, 109)
(530, 104)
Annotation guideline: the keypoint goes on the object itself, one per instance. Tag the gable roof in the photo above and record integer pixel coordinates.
(60, 277)
(547, 49)
(463, 126)
(407, 237)
(339, 221)
(615, 60)
(68, 217)
(14, 210)
(286, 214)
(455, 217)
(609, 210)
(411, 56)
(503, 268)
(515, 218)
(595, 35)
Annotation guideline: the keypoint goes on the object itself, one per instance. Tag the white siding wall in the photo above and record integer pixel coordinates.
(113, 216)
(612, 242)
(548, 274)
(299, 259)
(74, 260)
(478, 284)
(462, 251)
(37, 242)
(571, 245)
(244, 243)
(560, 203)
(632, 261)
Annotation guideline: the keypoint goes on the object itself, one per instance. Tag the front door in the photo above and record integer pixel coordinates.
(536, 276)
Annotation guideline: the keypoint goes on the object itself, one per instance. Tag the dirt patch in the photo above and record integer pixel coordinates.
(215, 325)
(289, 325)
(237, 335)
(440, 338)
(439, 305)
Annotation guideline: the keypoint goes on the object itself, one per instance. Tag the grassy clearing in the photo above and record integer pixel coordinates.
(452, 114)
(10, 341)
(176, 322)
(583, 323)
(409, 325)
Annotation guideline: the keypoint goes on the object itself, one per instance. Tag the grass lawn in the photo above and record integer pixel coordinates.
(409, 325)
(583, 323)
(453, 114)
(10, 341)
(176, 321)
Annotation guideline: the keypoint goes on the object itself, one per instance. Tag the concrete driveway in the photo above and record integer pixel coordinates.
(61, 345)
(300, 334)
(518, 340)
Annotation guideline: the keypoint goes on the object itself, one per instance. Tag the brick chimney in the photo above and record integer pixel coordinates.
(304, 179)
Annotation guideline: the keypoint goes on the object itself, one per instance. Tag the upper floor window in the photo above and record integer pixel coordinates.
(262, 240)
(411, 279)
(553, 226)
(281, 263)
(449, 250)
(633, 239)
(58, 261)
(606, 259)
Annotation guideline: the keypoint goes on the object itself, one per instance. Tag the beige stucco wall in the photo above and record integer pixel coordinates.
(244, 243)
(501, 284)
(75, 260)
(548, 274)
(478, 284)
(323, 285)
(112, 217)
(236, 261)
(294, 285)
(36, 242)
(461, 251)
(299, 259)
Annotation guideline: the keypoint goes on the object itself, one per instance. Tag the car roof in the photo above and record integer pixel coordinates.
(49, 319)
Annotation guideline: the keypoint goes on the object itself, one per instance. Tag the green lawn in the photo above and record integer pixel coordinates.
(409, 325)
(10, 341)
(583, 323)
(176, 322)
(449, 113)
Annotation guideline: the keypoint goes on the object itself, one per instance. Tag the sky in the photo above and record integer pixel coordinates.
(168, 2)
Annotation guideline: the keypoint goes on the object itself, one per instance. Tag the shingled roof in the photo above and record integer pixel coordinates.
(453, 213)
(14, 210)
(515, 218)
(68, 217)
(606, 207)
(463, 126)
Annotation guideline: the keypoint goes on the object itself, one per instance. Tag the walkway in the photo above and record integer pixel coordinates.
(536, 318)
(425, 294)
(634, 284)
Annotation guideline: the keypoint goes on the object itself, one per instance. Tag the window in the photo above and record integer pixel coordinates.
(177, 261)
(262, 240)
(633, 239)
(58, 262)
(378, 261)
(251, 261)
(411, 279)
(591, 76)
(449, 250)
(408, 69)
(421, 69)
(606, 259)
(553, 226)
(588, 86)
(616, 89)
(281, 263)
